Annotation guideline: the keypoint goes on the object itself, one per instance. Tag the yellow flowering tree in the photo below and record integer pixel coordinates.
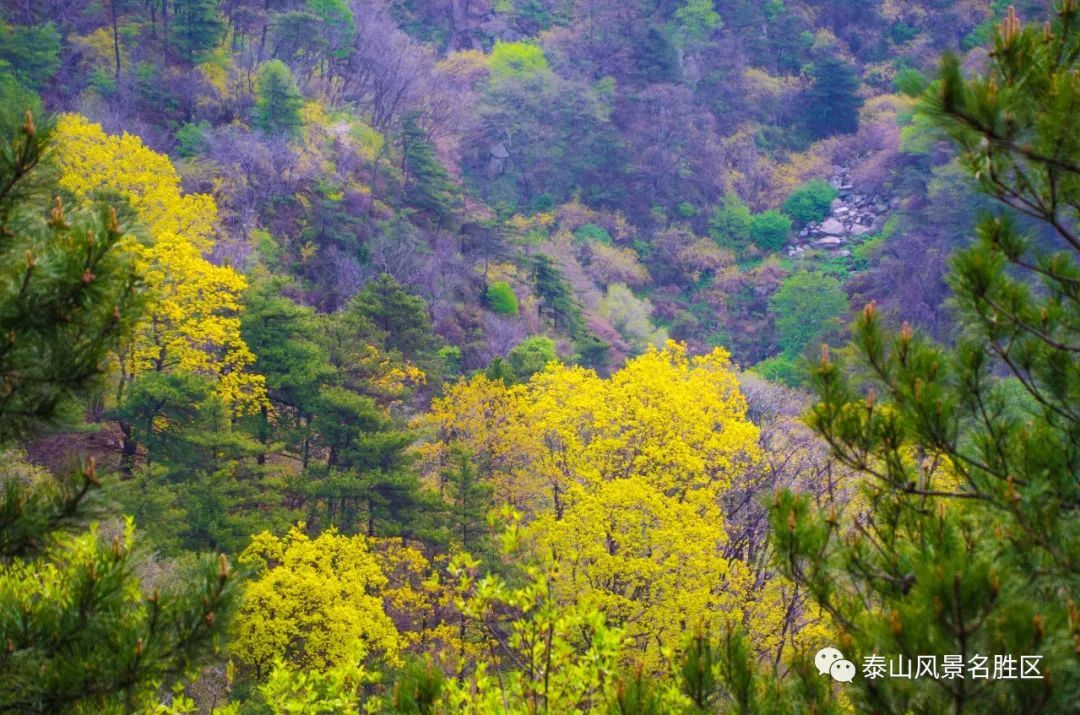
(621, 482)
(192, 323)
(310, 600)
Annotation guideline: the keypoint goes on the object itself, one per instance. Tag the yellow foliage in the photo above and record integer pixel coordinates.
(415, 598)
(620, 481)
(310, 600)
(486, 417)
(192, 323)
(465, 67)
(97, 50)
(216, 68)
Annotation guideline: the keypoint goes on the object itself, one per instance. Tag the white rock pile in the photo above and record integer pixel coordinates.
(852, 215)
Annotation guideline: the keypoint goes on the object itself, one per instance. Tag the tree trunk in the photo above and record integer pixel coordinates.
(127, 451)
(266, 24)
(115, 38)
(165, 30)
(264, 435)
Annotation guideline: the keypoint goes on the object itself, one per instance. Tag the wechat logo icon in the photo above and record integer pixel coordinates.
(831, 661)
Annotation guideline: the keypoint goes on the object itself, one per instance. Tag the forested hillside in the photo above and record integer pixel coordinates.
(511, 356)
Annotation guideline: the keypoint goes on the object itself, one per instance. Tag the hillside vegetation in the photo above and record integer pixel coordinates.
(537, 355)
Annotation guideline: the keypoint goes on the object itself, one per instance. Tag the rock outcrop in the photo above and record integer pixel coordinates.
(853, 215)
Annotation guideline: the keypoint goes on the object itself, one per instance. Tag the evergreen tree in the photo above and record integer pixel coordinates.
(395, 319)
(469, 498)
(592, 352)
(427, 183)
(557, 297)
(285, 338)
(832, 98)
(278, 104)
(197, 27)
(30, 53)
(199, 472)
(80, 633)
(972, 547)
(67, 289)
(366, 484)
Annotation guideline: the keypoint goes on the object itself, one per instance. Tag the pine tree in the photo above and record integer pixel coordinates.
(284, 337)
(80, 633)
(31, 54)
(427, 183)
(278, 105)
(396, 319)
(469, 499)
(833, 98)
(557, 297)
(197, 27)
(970, 544)
(366, 484)
(68, 292)
(199, 467)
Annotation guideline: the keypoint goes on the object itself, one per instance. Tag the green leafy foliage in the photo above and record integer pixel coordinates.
(191, 138)
(501, 298)
(783, 370)
(532, 355)
(730, 223)
(808, 308)
(769, 230)
(697, 18)
(30, 53)
(810, 202)
(197, 27)
(519, 60)
(591, 233)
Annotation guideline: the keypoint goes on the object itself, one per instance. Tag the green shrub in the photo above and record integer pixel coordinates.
(810, 202)
(191, 138)
(517, 59)
(769, 230)
(730, 223)
(783, 370)
(591, 233)
(531, 356)
(501, 298)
